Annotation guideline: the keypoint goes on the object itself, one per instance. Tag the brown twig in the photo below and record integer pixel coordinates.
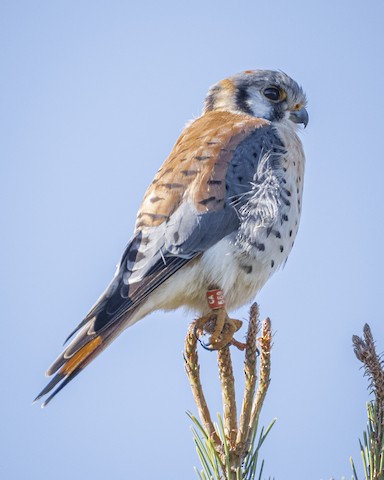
(228, 394)
(265, 342)
(237, 439)
(250, 380)
(192, 368)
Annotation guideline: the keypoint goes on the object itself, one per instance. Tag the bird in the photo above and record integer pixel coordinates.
(219, 218)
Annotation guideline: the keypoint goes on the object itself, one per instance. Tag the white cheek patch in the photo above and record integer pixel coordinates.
(258, 104)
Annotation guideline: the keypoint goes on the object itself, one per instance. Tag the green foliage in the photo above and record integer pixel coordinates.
(212, 467)
(372, 446)
(251, 460)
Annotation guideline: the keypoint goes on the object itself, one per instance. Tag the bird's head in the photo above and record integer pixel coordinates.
(267, 94)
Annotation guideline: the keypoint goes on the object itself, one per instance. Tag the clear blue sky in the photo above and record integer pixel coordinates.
(93, 95)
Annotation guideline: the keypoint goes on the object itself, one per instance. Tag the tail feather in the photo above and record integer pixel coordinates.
(70, 367)
(81, 325)
(81, 340)
(113, 312)
(60, 387)
(50, 386)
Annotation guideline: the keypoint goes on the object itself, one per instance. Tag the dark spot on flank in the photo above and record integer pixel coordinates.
(286, 201)
(247, 268)
(287, 192)
(277, 234)
(290, 233)
(285, 218)
(272, 263)
(281, 248)
(240, 178)
(284, 169)
(260, 246)
(269, 230)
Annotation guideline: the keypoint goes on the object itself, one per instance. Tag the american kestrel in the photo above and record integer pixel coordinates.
(220, 217)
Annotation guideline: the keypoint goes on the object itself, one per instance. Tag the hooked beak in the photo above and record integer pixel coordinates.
(300, 116)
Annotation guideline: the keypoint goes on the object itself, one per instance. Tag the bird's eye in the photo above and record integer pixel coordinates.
(274, 94)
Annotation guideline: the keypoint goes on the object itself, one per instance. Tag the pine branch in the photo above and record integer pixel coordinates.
(245, 425)
(227, 449)
(372, 447)
(193, 371)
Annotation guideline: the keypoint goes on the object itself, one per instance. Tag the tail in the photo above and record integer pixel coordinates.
(89, 342)
(72, 361)
(110, 315)
(118, 307)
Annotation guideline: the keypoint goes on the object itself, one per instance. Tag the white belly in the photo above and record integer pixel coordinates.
(222, 266)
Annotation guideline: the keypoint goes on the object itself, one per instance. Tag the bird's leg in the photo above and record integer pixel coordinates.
(218, 324)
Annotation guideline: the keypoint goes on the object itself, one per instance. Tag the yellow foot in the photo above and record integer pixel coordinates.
(221, 329)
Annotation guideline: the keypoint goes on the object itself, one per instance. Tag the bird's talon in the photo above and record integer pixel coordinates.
(220, 327)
